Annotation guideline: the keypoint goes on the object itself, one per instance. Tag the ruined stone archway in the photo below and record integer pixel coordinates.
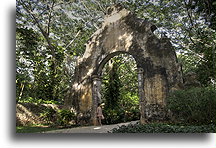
(158, 69)
(99, 83)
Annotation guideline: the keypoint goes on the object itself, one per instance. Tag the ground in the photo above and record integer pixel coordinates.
(91, 129)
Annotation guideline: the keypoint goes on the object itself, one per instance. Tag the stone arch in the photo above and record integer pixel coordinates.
(103, 61)
(97, 77)
(158, 68)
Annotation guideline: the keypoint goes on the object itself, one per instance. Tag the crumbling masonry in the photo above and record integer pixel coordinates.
(158, 68)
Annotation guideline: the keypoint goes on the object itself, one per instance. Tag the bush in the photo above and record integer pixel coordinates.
(113, 116)
(164, 128)
(37, 101)
(118, 115)
(64, 116)
(48, 115)
(193, 106)
(126, 110)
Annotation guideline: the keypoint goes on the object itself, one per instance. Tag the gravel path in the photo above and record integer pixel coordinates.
(91, 129)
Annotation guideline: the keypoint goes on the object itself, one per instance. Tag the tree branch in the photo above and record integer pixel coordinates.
(44, 33)
(50, 16)
(87, 9)
(188, 13)
(101, 7)
(73, 39)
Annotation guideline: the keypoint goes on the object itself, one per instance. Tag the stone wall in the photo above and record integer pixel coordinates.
(122, 32)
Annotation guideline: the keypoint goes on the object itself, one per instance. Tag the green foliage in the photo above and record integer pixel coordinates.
(33, 129)
(113, 116)
(26, 46)
(189, 25)
(112, 88)
(205, 9)
(193, 106)
(130, 105)
(119, 91)
(51, 34)
(164, 128)
(64, 116)
(37, 101)
(118, 115)
(112, 96)
(129, 100)
(189, 62)
(48, 115)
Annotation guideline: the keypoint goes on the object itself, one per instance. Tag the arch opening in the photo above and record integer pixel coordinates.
(108, 57)
(158, 71)
(117, 87)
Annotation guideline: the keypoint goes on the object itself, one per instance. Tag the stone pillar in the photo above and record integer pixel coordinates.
(142, 100)
(96, 96)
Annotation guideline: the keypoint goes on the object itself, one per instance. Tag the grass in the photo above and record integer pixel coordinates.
(33, 129)
(40, 128)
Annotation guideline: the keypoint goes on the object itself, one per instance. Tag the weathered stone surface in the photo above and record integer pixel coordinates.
(156, 112)
(122, 32)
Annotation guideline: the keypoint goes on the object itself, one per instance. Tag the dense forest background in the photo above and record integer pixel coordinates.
(51, 35)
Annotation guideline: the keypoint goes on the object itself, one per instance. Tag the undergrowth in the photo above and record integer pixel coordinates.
(164, 128)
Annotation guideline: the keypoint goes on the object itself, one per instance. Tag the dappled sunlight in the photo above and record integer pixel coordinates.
(123, 32)
(89, 73)
(25, 116)
(123, 84)
(76, 86)
(127, 39)
(86, 98)
(154, 90)
(115, 16)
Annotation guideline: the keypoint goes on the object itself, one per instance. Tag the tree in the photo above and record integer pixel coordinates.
(112, 87)
(59, 47)
(40, 16)
(189, 25)
(203, 37)
(63, 27)
(47, 73)
(120, 89)
(26, 45)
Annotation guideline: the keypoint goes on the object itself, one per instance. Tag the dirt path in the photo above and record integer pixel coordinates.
(91, 129)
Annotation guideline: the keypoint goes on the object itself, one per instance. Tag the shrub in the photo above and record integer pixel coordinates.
(118, 115)
(64, 116)
(193, 106)
(37, 101)
(113, 116)
(164, 128)
(48, 115)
